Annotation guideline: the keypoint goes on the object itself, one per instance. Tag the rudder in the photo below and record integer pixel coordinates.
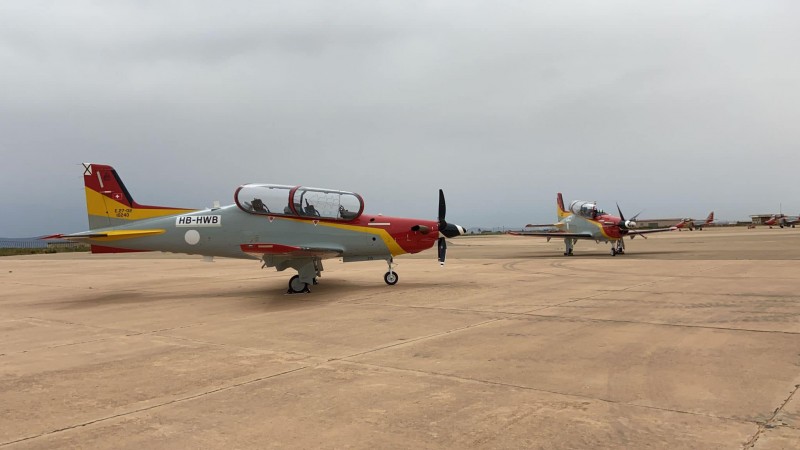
(109, 203)
(562, 212)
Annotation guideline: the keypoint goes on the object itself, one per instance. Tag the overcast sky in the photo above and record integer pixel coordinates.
(674, 107)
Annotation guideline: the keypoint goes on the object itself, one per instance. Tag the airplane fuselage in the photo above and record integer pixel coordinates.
(602, 228)
(222, 232)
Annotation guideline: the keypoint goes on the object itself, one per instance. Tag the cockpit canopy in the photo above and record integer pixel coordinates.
(279, 200)
(585, 209)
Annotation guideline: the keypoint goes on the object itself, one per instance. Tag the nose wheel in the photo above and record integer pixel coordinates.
(390, 277)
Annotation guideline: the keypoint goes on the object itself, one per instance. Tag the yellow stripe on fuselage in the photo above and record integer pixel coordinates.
(99, 205)
(391, 244)
(602, 229)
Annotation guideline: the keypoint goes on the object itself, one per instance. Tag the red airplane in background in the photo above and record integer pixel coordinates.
(782, 220)
(691, 224)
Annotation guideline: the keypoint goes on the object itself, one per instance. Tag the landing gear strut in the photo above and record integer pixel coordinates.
(569, 243)
(390, 277)
(618, 248)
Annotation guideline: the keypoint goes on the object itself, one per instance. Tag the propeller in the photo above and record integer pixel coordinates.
(626, 224)
(446, 230)
(449, 230)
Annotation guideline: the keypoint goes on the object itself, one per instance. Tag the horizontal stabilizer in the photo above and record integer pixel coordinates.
(112, 235)
(105, 249)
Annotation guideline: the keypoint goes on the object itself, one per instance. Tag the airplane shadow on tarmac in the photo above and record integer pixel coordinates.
(604, 255)
(271, 295)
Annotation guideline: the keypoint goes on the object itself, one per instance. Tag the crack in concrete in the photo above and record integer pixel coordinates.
(763, 427)
(138, 410)
(529, 388)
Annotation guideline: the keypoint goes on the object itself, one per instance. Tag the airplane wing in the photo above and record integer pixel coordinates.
(553, 234)
(545, 225)
(259, 250)
(634, 233)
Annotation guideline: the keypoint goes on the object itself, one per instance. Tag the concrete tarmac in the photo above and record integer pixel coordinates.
(690, 340)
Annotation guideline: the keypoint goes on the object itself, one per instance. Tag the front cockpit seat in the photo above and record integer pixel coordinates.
(259, 206)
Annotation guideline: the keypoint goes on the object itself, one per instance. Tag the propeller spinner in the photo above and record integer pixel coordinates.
(626, 224)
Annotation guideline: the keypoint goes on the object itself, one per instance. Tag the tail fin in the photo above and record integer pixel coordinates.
(562, 212)
(109, 203)
(710, 218)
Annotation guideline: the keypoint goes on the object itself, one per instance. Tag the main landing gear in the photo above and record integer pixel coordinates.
(569, 244)
(298, 287)
(307, 273)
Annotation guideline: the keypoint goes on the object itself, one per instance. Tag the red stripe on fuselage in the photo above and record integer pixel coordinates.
(398, 228)
(608, 224)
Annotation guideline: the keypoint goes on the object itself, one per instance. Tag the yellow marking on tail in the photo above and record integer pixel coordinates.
(99, 205)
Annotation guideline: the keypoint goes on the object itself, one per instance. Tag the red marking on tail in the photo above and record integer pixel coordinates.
(562, 212)
(104, 180)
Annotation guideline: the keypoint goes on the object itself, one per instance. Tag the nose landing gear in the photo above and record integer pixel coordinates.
(391, 276)
(618, 248)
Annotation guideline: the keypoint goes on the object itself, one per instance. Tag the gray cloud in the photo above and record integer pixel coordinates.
(677, 108)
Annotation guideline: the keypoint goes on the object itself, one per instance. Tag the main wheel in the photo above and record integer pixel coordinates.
(613, 251)
(296, 286)
(391, 278)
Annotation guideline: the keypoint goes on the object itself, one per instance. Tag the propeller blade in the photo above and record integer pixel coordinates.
(620, 213)
(442, 206)
(442, 250)
(637, 215)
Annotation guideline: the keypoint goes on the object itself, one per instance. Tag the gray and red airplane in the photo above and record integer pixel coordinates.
(585, 221)
(283, 226)
(782, 221)
(691, 224)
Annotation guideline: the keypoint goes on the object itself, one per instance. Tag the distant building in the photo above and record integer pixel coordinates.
(759, 219)
(657, 223)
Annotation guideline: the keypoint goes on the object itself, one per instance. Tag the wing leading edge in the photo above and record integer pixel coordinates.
(633, 233)
(551, 234)
(260, 250)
